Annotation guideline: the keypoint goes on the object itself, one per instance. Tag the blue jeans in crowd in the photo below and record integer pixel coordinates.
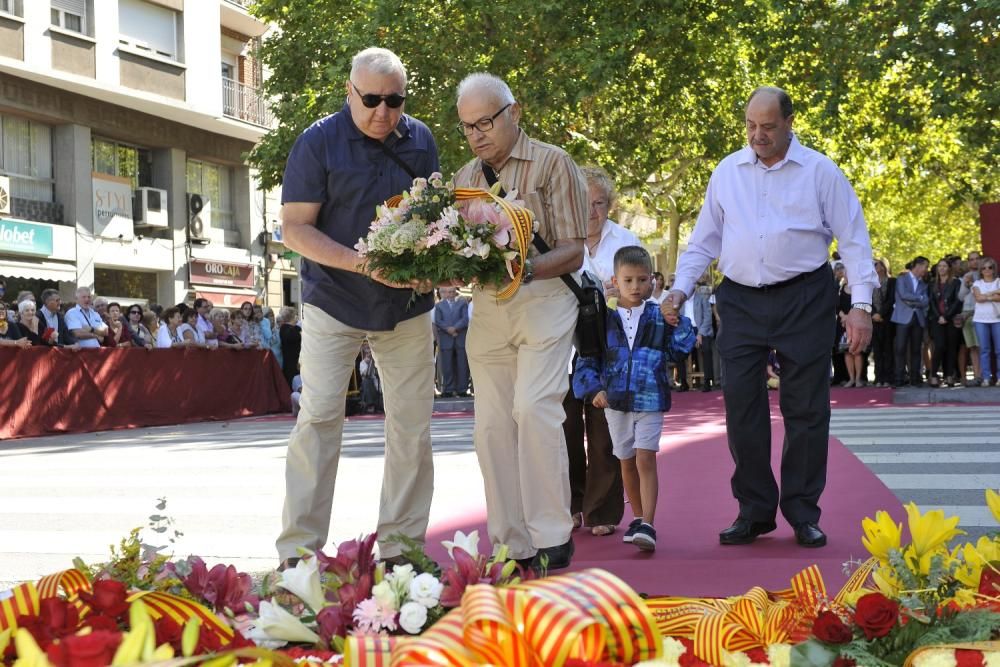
(988, 334)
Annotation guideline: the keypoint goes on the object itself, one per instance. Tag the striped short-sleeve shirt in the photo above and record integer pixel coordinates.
(547, 180)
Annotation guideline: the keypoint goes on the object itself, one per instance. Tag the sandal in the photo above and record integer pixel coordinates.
(602, 530)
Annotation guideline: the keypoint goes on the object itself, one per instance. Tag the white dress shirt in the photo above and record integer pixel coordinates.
(630, 320)
(613, 237)
(770, 224)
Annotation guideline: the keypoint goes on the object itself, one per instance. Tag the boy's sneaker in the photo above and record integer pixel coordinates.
(630, 533)
(645, 537)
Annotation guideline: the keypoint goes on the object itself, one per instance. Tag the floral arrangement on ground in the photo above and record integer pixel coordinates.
(919, 604)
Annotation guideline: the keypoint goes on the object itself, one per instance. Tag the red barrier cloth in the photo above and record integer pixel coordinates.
(45, 391)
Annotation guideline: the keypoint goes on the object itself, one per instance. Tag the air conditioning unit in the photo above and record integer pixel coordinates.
(4, 195)
(149, 208)
(199, 218)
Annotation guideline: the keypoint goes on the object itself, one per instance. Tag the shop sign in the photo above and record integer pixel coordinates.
(112, 206)
(211, 272)
(25, 238)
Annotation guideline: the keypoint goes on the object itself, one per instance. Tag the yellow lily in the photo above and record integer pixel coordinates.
(930, 530)
(28, 652)
(993, 502)
(881, 535)
(885, 579)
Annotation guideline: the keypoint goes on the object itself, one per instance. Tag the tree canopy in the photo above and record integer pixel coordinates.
(902, 95)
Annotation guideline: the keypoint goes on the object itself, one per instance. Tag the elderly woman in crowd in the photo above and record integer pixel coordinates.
(139, 332)
(223, 334)
(29, 323)
(188, 329)
(10, 333)
(168, 335)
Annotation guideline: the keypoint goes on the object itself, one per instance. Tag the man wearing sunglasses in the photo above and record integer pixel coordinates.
(519, 349)
(339, 170)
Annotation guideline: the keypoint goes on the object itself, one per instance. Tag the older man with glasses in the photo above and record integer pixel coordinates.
(339, 170)
(519, 349)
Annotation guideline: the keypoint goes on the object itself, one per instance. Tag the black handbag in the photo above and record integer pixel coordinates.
(590, 337)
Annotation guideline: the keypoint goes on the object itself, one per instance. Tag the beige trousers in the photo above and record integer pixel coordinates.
(405, 362)
(518, 353)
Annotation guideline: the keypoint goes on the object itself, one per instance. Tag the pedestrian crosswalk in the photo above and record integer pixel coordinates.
(938, 457)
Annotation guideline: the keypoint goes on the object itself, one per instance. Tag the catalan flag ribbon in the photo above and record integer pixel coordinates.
(181, 610)
(21, 600)
(590, 615)
(754, 620)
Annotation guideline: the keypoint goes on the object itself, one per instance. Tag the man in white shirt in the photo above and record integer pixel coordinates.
(204, 324)
(770, 213)
(84, 322)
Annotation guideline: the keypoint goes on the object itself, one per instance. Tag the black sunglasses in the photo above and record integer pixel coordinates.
(371, 100)
(135, 312)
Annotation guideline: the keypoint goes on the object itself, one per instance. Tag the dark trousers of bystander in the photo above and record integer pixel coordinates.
(595, 475)
(883, 352)
(909, 341)
(798, 320)
(945, 339)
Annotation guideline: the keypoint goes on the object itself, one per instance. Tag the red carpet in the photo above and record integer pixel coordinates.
(696, 503)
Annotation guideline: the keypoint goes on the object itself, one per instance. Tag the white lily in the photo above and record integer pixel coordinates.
(468, 543)
(279, 624)
(303, 582)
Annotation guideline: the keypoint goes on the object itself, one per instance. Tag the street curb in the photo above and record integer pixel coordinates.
(934, 395)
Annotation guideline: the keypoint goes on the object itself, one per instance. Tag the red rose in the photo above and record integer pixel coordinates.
(101, 622)
(876, 615)
(168, 631)
(989, 581)
(844, 662)
(108, 597)
(93, 650)
(830, 629)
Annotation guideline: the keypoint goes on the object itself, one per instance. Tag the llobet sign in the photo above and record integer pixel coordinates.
(212, 272)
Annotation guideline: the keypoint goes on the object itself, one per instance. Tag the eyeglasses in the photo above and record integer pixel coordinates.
(483, 124)
(135, 312)
(371, 100)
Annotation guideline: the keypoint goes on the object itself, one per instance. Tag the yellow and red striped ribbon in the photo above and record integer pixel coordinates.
(71, 582)
(181, 610)
(590, 615)
(23, 601)
(754, 620)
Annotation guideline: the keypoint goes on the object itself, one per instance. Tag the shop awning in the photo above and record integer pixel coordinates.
(40, 269)
(225, 298)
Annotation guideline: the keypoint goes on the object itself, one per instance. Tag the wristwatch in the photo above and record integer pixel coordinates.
(867, 307)
(527, 272)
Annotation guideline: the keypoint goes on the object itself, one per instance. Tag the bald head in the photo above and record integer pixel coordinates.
(769, 124)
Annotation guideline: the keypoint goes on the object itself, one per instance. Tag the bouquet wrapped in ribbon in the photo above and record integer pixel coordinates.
(438, 233)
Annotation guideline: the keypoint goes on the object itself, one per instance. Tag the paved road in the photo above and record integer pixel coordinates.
(938, 457)
(72, 495)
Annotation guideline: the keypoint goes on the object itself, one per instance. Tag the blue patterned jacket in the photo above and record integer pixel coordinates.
(637, 379)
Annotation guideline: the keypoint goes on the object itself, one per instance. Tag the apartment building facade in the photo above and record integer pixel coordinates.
(124, 126)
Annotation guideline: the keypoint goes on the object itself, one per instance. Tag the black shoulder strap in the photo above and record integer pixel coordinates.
(395, 157)
(537, 241)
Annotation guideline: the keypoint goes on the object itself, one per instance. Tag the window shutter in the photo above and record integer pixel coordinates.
(78, 7)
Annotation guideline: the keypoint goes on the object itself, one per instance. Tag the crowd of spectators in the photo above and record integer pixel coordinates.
(93, 322)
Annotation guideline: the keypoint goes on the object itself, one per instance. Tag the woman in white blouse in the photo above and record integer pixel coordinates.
(986, 317)
(168, 334)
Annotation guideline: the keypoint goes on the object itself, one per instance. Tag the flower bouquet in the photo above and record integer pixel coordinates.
(438, 233)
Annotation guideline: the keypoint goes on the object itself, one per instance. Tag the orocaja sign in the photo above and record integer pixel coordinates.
(211, 272)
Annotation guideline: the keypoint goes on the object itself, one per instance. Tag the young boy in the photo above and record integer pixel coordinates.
(632, 382)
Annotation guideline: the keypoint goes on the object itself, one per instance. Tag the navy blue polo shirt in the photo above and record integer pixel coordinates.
(334, 164)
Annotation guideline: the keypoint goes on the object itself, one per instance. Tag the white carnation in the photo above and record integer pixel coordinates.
(426, 590)
(412, 617)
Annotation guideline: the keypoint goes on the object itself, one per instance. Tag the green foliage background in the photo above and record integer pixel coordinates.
(904, 96)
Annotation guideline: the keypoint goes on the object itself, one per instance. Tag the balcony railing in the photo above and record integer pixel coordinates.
(241, 3)
(245, 103)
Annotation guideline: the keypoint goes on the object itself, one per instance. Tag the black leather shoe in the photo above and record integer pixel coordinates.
(553, 558)
(809, 535)
(745, 531)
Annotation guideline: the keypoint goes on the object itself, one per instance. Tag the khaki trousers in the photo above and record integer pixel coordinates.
(518, 353)
(405, 361)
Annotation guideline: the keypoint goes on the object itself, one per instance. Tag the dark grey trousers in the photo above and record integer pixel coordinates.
(798, 321)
